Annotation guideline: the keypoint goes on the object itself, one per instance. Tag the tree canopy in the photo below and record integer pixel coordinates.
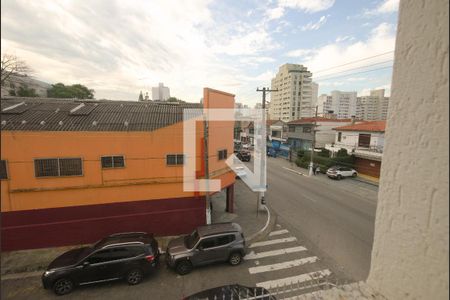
(59, 90)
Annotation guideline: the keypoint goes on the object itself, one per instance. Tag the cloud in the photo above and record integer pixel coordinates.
(300, 53)
(309, 6)
(275, 13)
(344, 38)
(387, 6)
(119, 48)
(380, 40)
(316, 25)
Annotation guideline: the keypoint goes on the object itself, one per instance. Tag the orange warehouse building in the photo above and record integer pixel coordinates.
(73, 171)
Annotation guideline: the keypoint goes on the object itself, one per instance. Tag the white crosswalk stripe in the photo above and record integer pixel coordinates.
(253, 255)
(278, 232)
(273, 242)
(283, 265)
(272, 284)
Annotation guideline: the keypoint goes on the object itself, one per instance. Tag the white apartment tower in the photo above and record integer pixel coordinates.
(295, 96)
(373, 107)
(341, 104)
(160, 93)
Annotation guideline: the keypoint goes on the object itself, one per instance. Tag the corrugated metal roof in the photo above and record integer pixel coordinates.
(49, 114)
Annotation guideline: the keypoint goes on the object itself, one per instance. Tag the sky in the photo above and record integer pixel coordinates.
(119, 48)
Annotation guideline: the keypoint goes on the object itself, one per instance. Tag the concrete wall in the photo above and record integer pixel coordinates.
(411, 245)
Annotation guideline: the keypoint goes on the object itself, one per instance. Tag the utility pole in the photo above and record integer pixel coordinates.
(264, 151)
(313, 146)
(205, 143)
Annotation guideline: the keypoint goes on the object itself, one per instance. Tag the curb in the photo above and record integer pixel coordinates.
(366, 181)
(268, 227)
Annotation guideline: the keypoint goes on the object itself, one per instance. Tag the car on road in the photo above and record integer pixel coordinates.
(339, 172)
(243, 155)
(232, 291)
(207, 244)
(128, 256)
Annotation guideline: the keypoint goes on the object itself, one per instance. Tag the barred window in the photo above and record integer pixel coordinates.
(53, 167)
(222, 154)
(3, 171)
(174, 159)
(113, 162)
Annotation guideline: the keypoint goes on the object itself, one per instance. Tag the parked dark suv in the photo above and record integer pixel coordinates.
(128, 256)
(243, 155)
(207, 244)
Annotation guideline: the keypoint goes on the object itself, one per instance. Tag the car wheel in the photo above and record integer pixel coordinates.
(63, 286)
(135, 276)
(354, 175)
(184, 267)
(235, 259)
(339, 177)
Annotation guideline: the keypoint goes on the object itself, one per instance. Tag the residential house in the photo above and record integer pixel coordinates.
(365, 141)
(277, 130)
(300, 132)
(73, 171)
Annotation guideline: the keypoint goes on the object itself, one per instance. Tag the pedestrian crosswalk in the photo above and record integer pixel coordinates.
(283, 266)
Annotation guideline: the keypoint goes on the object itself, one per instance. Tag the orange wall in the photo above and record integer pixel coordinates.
(145, 176)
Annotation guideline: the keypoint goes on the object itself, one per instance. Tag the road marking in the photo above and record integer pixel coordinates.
(283, 265)
(278, 226)
(278, 232)
(292, 281)
(272, 242)
(294, 171)
(253, 255)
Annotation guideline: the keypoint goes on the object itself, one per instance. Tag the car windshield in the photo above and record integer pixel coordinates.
(191, 239)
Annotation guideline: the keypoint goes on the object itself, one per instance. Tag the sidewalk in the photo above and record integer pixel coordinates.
(30, 263)
(361, 177)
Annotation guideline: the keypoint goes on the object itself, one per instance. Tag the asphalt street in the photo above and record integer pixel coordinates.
(323, 234)
(335, 217)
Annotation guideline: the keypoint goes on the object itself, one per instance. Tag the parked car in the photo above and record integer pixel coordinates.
(232, 291)
(339, 172)
(128, 256)
(243, 155)
(205, 245)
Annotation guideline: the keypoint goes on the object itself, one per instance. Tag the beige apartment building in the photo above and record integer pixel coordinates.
(296, 96)
(373, 107)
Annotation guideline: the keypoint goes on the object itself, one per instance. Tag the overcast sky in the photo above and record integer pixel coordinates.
(121, 47)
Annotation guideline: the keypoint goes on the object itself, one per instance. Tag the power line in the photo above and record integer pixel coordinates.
(351, 62)
(355, 73)
(362, 67)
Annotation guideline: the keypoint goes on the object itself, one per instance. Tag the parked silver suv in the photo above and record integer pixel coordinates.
(205, 245)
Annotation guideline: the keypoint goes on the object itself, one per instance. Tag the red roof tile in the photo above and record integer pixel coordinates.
(377, 126)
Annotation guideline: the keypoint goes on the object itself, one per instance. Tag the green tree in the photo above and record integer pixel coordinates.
(24, 91)
(342, 153)
(141, 97)
(59, 90)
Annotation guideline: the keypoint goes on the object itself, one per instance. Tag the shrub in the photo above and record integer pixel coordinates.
(324, 152)
(342, 153)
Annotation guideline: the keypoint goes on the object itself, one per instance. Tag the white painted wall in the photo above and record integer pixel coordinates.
(350, 138)
(411, 245)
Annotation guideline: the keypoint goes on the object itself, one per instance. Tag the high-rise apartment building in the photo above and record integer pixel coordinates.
(295, 96)
(373, 107)
(341, 104)
(160, 93)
